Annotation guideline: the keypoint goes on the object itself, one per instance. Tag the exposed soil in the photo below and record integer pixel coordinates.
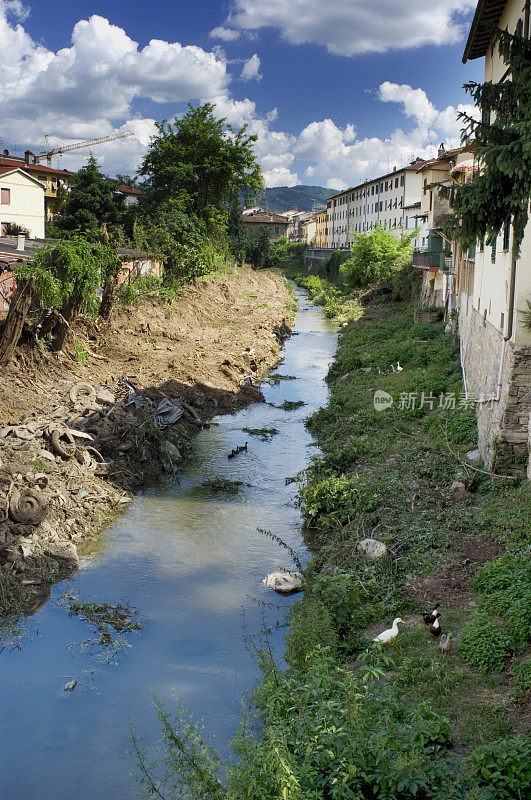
(450, 586)
(77, 456)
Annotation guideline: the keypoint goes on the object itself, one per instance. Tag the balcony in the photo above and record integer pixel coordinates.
(426, 259)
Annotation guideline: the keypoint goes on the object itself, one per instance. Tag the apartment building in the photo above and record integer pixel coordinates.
(391, 201)
(494, 291)
(21, 203)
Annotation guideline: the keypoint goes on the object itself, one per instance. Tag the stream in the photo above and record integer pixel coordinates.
(191, 562)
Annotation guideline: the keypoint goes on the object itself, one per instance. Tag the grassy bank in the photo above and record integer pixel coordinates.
(349, 719)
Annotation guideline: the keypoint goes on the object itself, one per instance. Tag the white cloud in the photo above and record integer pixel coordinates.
(356, 26)
(82, 90)
(281, 176)
(336, 184)
(251, 69)
(225, 34)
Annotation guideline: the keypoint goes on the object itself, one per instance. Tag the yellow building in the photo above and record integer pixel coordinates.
(320, 229)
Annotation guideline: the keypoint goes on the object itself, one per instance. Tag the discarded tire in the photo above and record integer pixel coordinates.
(63, 443)
(27, 506)
(83, 393)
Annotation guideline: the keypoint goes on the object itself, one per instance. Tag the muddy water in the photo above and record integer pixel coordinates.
(191, 563)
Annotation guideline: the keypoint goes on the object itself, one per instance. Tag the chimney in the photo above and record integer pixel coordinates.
(21, 242)
(27, 156)
(441, 151)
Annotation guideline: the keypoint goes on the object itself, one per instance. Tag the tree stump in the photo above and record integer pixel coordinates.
(16, 316)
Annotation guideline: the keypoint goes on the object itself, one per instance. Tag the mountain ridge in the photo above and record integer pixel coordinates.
(303, 198)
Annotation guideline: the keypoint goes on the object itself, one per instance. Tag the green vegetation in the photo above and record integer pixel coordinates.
(375, 256)
(265, 434)
(345, 718)
(291, 405)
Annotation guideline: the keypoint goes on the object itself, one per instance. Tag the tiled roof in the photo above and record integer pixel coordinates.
(128, 189)
(259, 217)
(488, 12)
(14, 163)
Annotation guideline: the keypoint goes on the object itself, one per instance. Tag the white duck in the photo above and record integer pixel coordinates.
(390, 633)
(398, 367)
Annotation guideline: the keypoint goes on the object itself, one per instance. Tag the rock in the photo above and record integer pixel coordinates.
(170, 450)
(372, 549)
(473, 455)
(70, 686)
(283, 582)
(105, 397)
(63, 551)
(458, 490)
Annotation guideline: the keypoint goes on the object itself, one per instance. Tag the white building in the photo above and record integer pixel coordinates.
(494, 290)
(391, 201)
(21, 202)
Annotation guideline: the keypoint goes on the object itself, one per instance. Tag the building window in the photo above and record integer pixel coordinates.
(431, 200)
(406, 222)
(396, 183)
(493, 249)
(402, 180)
(386, 185)
(506, 236)
(372, 190)
(277, 230)
(5, 196)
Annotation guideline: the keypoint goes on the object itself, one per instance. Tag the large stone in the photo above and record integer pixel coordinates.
(372, 549)
(170, 450)
(283, 582)
(63, 551)
(458, 490)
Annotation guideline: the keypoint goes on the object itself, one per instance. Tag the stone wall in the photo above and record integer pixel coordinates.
(504, 403)
(314, 256)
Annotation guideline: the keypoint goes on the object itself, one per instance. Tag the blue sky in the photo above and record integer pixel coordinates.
(336, 91)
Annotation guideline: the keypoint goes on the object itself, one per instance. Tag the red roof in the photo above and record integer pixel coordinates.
(261, 217)
(128, 189)
(7, 164)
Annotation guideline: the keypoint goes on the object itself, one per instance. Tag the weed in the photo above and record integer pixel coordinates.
(265, 434)
(291, 405)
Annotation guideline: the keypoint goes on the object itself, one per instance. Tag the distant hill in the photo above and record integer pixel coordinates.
(304, 198)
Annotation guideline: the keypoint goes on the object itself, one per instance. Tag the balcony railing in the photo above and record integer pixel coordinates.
(430, 260)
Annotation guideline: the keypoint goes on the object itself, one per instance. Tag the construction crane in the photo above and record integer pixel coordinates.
(53, 151)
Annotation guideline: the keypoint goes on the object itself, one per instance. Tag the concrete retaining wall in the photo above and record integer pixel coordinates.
(314, 256)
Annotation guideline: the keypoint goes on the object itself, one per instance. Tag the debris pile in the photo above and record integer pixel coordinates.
(64, 473)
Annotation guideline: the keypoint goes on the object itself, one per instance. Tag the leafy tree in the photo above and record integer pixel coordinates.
(499, 194)
(375, 256)
(238, 238)
(67, 276)
(92, 207)
(198, 164)
(127, 180)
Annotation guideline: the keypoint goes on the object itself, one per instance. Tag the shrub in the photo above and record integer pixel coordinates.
(484, 644)
(522, 677)
(338, 497)
(504, 767)
(310, 627)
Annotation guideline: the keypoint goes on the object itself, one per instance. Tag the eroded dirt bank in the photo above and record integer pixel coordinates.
(78, 437)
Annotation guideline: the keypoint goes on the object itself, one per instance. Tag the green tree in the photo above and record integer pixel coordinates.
(375, 256)
(197, 164)
(92, 207)
(67, 277)
(238, 238)
(499, 194)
